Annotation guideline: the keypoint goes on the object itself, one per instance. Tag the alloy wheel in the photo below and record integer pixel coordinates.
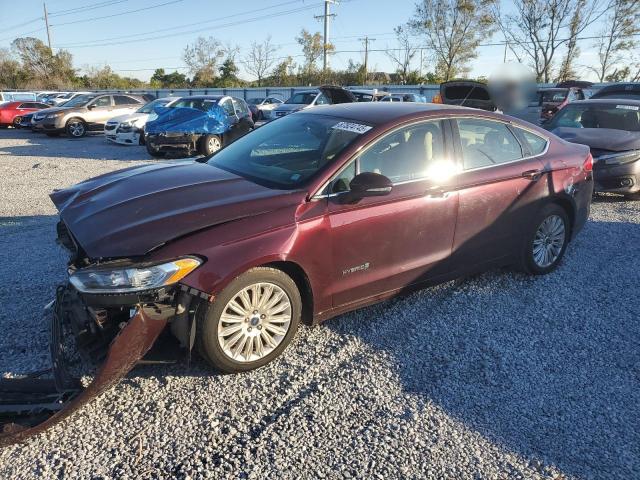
(549, 241)
(214, 144)
(254, 322)
(76, 129)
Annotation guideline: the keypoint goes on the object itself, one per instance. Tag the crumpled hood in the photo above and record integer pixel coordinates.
(130, 212)
(188, 120)
(600, 138)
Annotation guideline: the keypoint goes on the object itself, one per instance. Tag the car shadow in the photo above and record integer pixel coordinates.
(548, 367)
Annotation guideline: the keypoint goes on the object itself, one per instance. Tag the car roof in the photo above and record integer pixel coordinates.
(608, 101)
(378, 113)
(204, 97)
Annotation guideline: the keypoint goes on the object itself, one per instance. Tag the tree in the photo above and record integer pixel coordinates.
(617, 38)
(260, 59)
(539, 29)
(11, 73)
(42, 67)
(284, 73)
(567, 71)
(453, 30)
(202, 58)
(402, 56)
(228, 74)
(312, 49)
(160, 79)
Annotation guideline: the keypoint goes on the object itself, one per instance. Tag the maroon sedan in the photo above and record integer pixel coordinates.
(11, 113)
(312, 215)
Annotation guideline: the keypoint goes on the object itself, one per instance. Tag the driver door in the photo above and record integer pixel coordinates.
(99, 111)
(386, 243)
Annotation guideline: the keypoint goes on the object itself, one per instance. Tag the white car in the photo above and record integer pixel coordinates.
(325, 95)
(62, 97)
(129, 129)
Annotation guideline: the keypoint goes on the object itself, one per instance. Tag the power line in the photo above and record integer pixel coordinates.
(231, 24)
(102, 17)
(18, 25)
(94, 6)
(177, 27)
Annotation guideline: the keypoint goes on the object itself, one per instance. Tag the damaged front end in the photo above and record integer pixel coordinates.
(111, 323)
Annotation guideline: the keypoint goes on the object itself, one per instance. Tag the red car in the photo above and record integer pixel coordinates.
(11, 113)
(312, 215)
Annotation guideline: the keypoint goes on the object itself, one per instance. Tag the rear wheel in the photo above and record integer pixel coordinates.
(251, 322)
(76, 128)
(547, 240)
(210, 144)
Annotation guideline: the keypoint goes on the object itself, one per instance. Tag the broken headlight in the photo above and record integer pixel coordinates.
(132, 278)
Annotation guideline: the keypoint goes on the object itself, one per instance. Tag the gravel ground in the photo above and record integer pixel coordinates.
(500, 376)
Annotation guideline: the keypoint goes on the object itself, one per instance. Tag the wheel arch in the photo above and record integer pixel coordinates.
(301, 279)
(568, 204)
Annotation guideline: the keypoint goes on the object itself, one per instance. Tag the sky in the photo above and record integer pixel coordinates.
(135, 37)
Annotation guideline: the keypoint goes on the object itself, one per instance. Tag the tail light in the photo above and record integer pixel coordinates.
(587, 166)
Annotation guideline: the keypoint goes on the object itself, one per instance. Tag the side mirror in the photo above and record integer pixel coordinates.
(91, 107)
(369, 184)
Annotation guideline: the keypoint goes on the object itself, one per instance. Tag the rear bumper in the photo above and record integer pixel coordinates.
(30, 405)
(583, 195)
(623, 178)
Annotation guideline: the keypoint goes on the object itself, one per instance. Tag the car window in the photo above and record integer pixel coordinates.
(275, 100)
(322, 99)
(240, 106)
(102, 101)
(228, 107)
(201, 104)
(405, 154)
(25, 105)
(536, 143)
(485, 143)
(619, 116)
(124, 100)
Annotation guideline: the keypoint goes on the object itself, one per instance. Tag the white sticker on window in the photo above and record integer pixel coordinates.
(628, 107)
(352, 127)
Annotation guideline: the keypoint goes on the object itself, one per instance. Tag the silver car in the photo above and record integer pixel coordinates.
(84, 113)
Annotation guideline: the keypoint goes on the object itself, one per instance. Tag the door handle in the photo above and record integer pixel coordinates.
(532, 175)
(437, 193)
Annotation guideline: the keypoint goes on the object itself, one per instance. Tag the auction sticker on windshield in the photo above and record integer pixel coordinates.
(352, 127)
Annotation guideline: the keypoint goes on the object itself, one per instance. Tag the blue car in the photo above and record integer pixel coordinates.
(199, 124)
(25, 121)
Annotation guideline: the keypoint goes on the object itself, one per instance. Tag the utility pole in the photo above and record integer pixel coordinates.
(327, 15)
(366, 41)
(46, 21)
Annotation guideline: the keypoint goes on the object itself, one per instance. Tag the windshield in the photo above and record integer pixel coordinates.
(204, 104)
(79, 101)
(302, 98)
(148, 108)
(289, 151)
(619, 94)
(553, 96)
(615, 116)
(255, 101)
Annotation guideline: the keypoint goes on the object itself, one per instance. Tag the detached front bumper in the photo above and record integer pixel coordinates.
(623, 178)
(30, 405)
(168, 142)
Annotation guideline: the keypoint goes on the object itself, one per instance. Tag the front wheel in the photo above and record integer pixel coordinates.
(16, 122)
(547, 240)
(210, 144)
(76, 128)
(154, 152)
(251, 322)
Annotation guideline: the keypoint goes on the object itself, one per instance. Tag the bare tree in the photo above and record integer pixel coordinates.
(203, 57)
(567, 70)
(617, 38)
(539, 29)
(403, 55)
(260, 59)
(453, 31)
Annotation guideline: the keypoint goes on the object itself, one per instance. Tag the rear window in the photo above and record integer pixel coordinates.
(199, 104)
(469, 92)
(616, 116)
(304, 98)
(124, 100)
(553, 96)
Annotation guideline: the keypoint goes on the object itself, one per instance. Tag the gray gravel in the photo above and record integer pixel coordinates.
(499, 376)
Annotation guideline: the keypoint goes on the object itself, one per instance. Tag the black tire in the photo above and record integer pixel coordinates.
(16, 122)
(52, 134)
(209, 319)
(527, 262)
(210, 144)
(153, 152)
(76, 127)
(141, 141)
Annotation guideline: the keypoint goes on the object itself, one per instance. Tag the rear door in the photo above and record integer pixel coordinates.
(245, 124)
(500, 185)
(233, 133)
(123, 105)
(381, 244)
